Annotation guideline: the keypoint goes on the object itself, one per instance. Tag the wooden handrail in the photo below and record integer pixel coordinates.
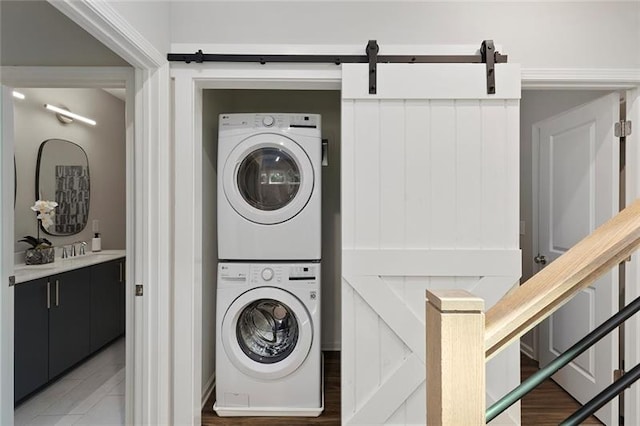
(528, 305)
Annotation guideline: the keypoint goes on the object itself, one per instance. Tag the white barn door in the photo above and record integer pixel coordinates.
(430, 171)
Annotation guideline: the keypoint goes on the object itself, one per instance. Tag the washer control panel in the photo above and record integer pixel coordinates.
(269, 273)
(271, 120)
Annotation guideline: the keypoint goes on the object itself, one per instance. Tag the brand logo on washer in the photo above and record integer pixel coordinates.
(313, 295)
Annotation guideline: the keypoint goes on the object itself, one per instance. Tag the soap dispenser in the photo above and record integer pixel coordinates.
(96, 242)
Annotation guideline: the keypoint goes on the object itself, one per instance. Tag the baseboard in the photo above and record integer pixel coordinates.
(208, 389)
(510, 417)
(527, 350)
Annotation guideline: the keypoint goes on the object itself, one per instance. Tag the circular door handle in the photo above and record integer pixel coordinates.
(540, 259)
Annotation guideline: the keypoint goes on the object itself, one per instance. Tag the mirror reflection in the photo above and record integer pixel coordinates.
(62, 175)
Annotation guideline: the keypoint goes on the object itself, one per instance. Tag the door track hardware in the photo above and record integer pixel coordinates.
(487, 55)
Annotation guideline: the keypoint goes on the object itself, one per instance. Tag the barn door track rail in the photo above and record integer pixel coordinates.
(488, 55)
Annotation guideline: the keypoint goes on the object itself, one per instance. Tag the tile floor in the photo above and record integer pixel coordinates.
(90, 394)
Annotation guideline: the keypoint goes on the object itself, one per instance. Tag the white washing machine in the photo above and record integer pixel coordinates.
(269, 197)
(268, 359)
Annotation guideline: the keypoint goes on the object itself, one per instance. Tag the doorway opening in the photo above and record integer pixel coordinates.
(327, 104)
(572, 181)
(70, 320)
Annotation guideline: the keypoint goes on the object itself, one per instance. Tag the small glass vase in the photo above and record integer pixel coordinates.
(39, 256)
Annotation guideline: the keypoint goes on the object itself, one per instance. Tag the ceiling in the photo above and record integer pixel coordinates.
(34, 33)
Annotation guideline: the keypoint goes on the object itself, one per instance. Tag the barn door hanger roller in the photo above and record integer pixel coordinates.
(488, 55)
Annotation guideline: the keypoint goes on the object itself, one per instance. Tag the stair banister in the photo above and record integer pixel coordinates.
(455, 382)
(528, 305)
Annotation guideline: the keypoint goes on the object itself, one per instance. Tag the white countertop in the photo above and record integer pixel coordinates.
(25, 273)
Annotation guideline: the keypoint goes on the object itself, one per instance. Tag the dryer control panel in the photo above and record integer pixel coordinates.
(269, 120)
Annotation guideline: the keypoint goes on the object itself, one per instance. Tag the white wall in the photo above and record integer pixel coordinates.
(150, 18)
(326, 103)
(105, 148)
(586, 34)
(36, 33)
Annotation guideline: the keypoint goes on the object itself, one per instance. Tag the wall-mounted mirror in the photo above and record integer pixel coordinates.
(62, 175)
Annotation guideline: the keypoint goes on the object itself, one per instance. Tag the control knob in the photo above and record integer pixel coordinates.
(267, 274)
(268, 121)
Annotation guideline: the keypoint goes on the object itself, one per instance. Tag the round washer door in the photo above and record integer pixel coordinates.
(267, 333)
(268, 178)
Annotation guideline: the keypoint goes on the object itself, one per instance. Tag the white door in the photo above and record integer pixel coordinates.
(429, 200)
(578, 190)
(6, 257)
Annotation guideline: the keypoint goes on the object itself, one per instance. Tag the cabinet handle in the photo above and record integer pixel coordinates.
(48, 295)
(120, 265)
(57, 293)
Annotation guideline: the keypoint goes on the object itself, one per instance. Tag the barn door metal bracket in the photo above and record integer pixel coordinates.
(488, 52)
(372, 54)
(488, 55)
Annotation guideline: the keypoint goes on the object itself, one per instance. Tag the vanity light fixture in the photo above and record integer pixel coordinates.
(18, 95)
(66, 116)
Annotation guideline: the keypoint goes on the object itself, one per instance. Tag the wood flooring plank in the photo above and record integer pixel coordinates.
(548, 404)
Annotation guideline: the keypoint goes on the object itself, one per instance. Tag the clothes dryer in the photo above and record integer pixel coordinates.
(269, 187)
(268, 359)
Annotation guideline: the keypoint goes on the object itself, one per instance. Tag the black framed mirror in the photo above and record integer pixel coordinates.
(62, 175)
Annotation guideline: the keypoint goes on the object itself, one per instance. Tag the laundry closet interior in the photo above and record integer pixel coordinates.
(326, 103)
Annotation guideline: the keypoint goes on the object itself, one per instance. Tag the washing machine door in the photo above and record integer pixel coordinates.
(267, 333)
(268, 178)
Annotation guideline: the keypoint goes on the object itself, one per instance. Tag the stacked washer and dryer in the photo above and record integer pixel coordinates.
(268, 359)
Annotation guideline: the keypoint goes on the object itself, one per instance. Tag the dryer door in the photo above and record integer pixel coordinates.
(267, 333)
(268, 178)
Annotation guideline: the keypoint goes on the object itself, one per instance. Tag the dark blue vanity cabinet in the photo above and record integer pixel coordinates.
(107, 304)
(62, 319)
(31, 342)
(69, 316)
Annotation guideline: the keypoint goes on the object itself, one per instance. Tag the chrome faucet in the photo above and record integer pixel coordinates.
(83, 244)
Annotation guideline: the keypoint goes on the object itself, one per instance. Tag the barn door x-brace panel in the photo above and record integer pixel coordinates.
(488, 55)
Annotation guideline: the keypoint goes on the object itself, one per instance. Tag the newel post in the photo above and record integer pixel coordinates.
(455, 358)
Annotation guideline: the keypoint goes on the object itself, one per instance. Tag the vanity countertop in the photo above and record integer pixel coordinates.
(25, 273)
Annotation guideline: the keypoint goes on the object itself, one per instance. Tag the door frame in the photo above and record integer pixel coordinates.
(148, 195)
(189, 84)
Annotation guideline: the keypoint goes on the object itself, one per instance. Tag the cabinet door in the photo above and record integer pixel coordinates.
(69, 320)
(31, 334)
(105, 303)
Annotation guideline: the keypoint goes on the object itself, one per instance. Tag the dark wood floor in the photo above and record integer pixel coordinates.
(548, 404)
